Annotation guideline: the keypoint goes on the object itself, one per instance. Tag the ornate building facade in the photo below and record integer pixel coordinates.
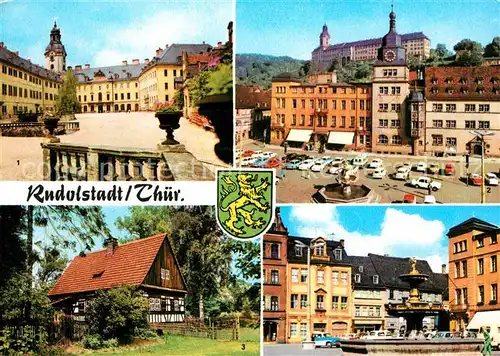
(55, 53)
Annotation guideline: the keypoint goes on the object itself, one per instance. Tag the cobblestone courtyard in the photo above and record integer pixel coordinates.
(21, 157)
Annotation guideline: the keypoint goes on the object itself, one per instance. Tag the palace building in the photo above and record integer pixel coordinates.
(28, 87)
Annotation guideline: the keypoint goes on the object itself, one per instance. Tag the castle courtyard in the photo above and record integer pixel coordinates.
(21, 157)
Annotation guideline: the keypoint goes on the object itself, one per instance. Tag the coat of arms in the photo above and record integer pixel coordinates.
(245, 201)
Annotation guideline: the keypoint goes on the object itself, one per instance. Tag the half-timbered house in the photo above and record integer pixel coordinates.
(148, 264)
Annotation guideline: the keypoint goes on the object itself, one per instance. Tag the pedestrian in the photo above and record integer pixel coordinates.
(487, 350)
(282, 173)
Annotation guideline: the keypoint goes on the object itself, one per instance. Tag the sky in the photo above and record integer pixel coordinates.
(292, 27)
(407, 231)
(104, 33)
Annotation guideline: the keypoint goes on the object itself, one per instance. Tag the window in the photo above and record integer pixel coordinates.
(458, 296)
(319, 302)
(165, 274)
(451, 107)
(343, 305)
(493, 265)
(293, 330)
(154, 304)
(353, 121)
(275, 279)
(383, 90)
(470, 124)
(451, 124)
(383, 140)
(437, 140)
(342, 121)
(298, 251)
(302, 120)
(451, 141)
(480, 294)
(484, 124)
(353, 105)
(166, 85)
(334, 121)
(480, 266)
(494, 239)
(395, 90)
(343, 105)
(361, 105)
(437, 107)
(275, 251)
(295, 275)
(303, 330)
(343, 277)
(294, 301)
(396, 107)
(375, 279)
(320, 277)
(480, 242)
(338, 254)
(494, 292)
(303, 301)
(437, 123)
(303, 275)
(319, 249)
(357, 311)
(464, 268)
(357, 278)
(360, 269)
(335, 302)
(395, 123)
(383, 107)
(274, 303)
(175, 72)
(335, 277)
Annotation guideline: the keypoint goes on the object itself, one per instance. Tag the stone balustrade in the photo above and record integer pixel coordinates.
(71, 162)
(66, 125)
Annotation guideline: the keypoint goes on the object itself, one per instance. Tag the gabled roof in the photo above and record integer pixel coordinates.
(278, 227)
(129, 264)
(173, 54)
(472, 224)
(249, 97)
(120, 70)
(331, 246)
(366, 276)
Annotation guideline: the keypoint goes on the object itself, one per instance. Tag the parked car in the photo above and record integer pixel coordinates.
(318, 165)
(379, 335)
(402, 173)
(248, 153)
(335, 168)
(421, 167)
(259, 162)
(257, 154)
(447, 335)
(491, 179)
(322, 339)
(293, 164)
(338, 160)
(429, 199)
(238, 152)
(409, 199)
(449, 169)
(375, 163)
(360, 161)
(425, 182)
(268, 154)
(474, 178)
(247, 161)
(379, 173)
(327, 159)
(306, 164)
(433, 168)
(272, 163)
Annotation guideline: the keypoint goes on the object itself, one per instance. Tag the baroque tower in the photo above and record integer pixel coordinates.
(324, 38)
(55, 53)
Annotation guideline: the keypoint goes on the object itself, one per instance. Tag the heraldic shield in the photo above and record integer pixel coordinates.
(245, 201)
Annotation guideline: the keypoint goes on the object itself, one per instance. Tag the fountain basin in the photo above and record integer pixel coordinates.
(397, 347)
(334, 194)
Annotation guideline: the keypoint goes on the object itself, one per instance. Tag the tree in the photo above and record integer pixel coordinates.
(305, 69)
(117, 313)
(414, 62)
(493, 49)
(12, 246)
(198, 88)
(334, 65)
(468, 53)
(67, 102)
(51, 265)
(441, 50)
(354, 72)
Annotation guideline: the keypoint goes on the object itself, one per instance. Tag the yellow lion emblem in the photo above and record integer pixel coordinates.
(248, 195)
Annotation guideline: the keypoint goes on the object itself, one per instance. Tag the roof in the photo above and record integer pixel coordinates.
(129, 264)
(472, 224)
(331, 247)
(286, 77)
(173, 53)
(377, 41)
(366, 276)
(278, 227)
(13, 59)
(118, 72)
(250, 97)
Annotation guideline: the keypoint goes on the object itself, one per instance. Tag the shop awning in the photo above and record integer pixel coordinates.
(484, 318)
(341, 138)
(299, 135)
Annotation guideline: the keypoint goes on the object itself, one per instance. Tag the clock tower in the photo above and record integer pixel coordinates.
(390, 87)
(55, 53)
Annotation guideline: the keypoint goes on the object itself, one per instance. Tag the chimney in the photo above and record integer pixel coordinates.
(1, 44)
(78, 67)
(219, 44)
(203, 42)
(158, 51)
(111, 245)
(87, 66)
(124, 63)
(135, 62)
(230, 32)
(443, 268)
(342, 243)
(146, 61)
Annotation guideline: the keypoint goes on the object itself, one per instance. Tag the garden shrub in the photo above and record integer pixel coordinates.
(23, 132)
(110, 343)
(92, 342)
(146, 334)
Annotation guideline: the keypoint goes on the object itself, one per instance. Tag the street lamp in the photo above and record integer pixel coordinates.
(481, 135)
(308, 342)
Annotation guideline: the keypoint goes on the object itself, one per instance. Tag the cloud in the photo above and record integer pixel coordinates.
(139, 39)
(401, 234)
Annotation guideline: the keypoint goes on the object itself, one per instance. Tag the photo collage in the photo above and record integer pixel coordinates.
(260, 178)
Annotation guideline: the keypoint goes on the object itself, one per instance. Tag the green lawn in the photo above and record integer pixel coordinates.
(189, 346)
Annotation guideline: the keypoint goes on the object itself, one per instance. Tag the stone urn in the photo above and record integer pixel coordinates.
(219, 111)
(50, 123)
(169, 121)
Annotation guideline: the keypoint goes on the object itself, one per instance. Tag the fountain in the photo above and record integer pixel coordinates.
(344, 190)
(413, 310)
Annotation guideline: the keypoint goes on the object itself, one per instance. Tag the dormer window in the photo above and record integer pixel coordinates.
(360, 269)
(479, 80)
(449, 80)
(494, 80)
(319, 249)
(449, 90)
(434, 81)
(338, 254)
(357, 278)
(434, 90)
(480, 90)
(298, 251)
(375, 279)
(463, 90)
(98, 274)
(463, 80)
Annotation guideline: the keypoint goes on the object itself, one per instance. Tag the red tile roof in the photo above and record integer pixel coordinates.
(129, 264)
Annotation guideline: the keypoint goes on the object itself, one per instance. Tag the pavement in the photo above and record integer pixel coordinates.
(298, 187)
(21, 157)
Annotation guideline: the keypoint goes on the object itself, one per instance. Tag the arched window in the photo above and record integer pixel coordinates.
(122, 107)
(396, 140)
(99, 96)
(51, 66)
(383, 140)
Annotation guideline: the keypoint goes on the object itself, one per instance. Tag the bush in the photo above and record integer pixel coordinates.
(146, 334)
(117, 313)
(23, 132)
(92, 342)
(110, 343)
